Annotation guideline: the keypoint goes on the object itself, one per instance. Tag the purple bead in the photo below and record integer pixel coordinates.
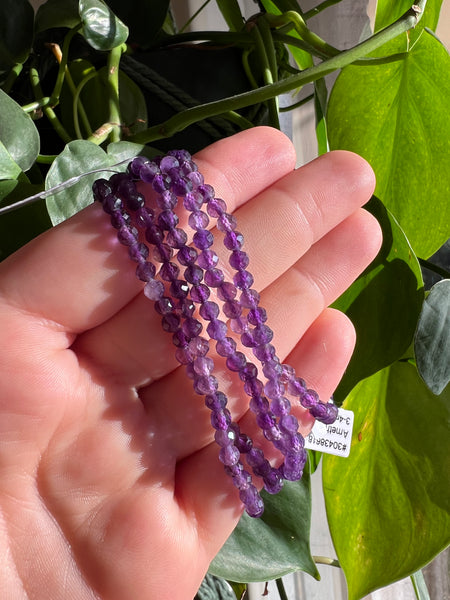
(182, 186)
(209, 311)
(224, 437)
(179, 289)
(161, 183)
(272, 432)
(111, 204)
(207, 191)
(184, 356)
(273, 482)
(248, 339)
(239, 260)
(257, 315)
(203, 239)
(273, 389)
(220, 419)
(226, 222)
(179, 339)
(203, 365)
(242, 480)
(119, 219)
(199, 346)
(217, 330)
(191, 327)
(167, 220)
(255, 458)
(170, 322)
(280, 406)
(208, 259)
(227, 291)
(187, 307)
(239, 325)
(200, 293)
(168, 162)
(127, 235)
(288, 424)
(264, 353)
(297, 387)
(243, 443)
(205, 384)
(198, 220)
(249, 372)
(193, 274)
(154, 235)
(287, 373)
(154, 289)
(243, 280)
(229, 455)
(293, 465)
(181, 155)
(259, 404)
(164, 305)
(196, 178)
(216, 207)
(148, 171)
(144, 216)
(232, 309)
(169, 271)
(226, 346)
(249, 298)
(236, 361)
(193, 201)
(272, 369)
(187, 255)
(176, 238)
(136, 165)
(145, 271)
(162, 253)
(309, 398)
(214, 277)
(134, 201)
(233, 240)
(265, 420)
(322, 413)
(252, 501)
(101, 188)
(138, 252)
(216, 401)
(253, 387)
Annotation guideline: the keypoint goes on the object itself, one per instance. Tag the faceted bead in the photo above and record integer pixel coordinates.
(192, 327)
(200, 293)
(239, 260)
(198, 220)
(232, 309)
(287, 373)
(226, 346)
(255, 457)
(253, 387)
(203, 365)
(214, 277)
(209, 310)
(193, 201)
(119, 219)
(252, 501)
(272, 369)
(273, 481)
(265, 420)
(243, 280)
(288, 423)
(203, 239)
(297, 387)
(179, 339)
(259, 404)
(233, 240)
(161, 183)
(182, 186)
(264, 353)
(176, 238)
(127, 235)
(273, 389)
(293, 465)
(112, 203)
(243, 443)
(180, 155)
(236, 361)
(168, 162)
(224, 437)
(164, 305)
(216, 207)
(249, 372)
(187, 255)
(322, 413)
(199, 346)
(154, 235)
(148, 171)
(248, 339)
(138, 252)
(205, 384)
(220, 419)
(263, 334)
(162, 253)
(207, 191)
(280, 406)
(135, 201)
(332, 414)
(101, 188)
(196, 178)
(136, 165)
(309, 398)
(183, 356)
(217, 330)
(229, 455)
(145, 271)
(242, 480)
(272, 432)
(216, 401)
(154, 289)
(208, 259)
(170, 322)
(169, 271)
(179, 289)
(227, 291)
(187, 307)
(144, 216)
(193, 274)
(226, 222)
(249, 298)
(167, 220)
(167, 200)
(257, 315)
(239, 325)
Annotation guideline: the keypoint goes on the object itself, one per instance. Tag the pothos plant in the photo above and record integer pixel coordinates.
(88, 84)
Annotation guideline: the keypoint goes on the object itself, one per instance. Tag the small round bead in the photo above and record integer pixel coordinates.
(257, 315)
(187, 255)
(288, 424)
(176, 238)
(239, 325)
(280, 406)
(144, 216)
(253, 387)
(187, 307)
(236, 361)
(154, 289)
(192, 327)
(205, 384)
(249, 298)
(233, 240)
(127, 235)
(229, 455)
(207, 192)
(217, 330)
(243, 443)
(264, 353)
(182, 186)
(162, 253)
(216, 207)
(226, 291)
(170, 322)
(169, 271)
(193, 274)
(138, 252)
(164, 305)
(167, 220)
(161, 183)
(193, 201)
(208, 259)
(200, 293)
(196, 178)
(273, 482)
(154, 235)
(274, 389)
(259, 404)
(168, 162)
(216, 401)
(199, 346)
(226, 222)
(179, 289)
(252, 501)
(232, 309)
(243, 280)
(297, 387)
(145, 271)
(309, 398)
(224, 437)
(226, 346)
(221, 418)
(101, 188)
(203, 239)
(167, 200)
(203, 365)
(148, 171)
(198, 220)
(209, 310)
(214, 277)
(239, 260)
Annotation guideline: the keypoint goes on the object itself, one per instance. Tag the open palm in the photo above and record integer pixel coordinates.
(110, 485)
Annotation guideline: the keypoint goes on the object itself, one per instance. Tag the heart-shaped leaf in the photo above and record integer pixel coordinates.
(18, 133)
(383, 304)
(101, 28)
(432, 339)
(387, 503)
(77, 158)
(273, 545)
(16, 32)
(57, 13)
(396, 118)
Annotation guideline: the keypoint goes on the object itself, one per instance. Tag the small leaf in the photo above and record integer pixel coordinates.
(16, 32)
(432, 339)
(387, 503)
(18, 133)
(57, 13)
(101, 28)
(273, 545)
(396, 118)
(383, 304)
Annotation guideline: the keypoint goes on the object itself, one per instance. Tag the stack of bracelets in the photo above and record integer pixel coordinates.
(188, 313)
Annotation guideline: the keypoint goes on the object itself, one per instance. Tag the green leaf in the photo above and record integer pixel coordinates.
(395, 116)
(18, 133)
(273, 545)
(432, 339)
(388, 12)
(387, 504)
(57, 13)
(16, 32)
(420, 586)
(144, 18)
(239, 589)
(231, 12)
(78, 157)
(9, 169)
(383, 304)
(101, 28)
(320, 102)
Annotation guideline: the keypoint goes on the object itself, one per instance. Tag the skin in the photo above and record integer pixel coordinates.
(110, 485)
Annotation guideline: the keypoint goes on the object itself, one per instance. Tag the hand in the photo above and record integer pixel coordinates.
(110, 485)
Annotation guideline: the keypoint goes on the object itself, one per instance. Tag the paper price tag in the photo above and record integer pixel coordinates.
(332, 439)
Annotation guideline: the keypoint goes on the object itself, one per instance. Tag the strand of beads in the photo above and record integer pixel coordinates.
(176, 176)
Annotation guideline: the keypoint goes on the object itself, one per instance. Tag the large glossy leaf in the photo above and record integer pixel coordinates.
(396, 116)
(387, 504)
(144, 18)
(77, 158)
(101, 28)
(384, 304)
(18, 133)
(16, 32)
(432, 339)
(388, 11)
(273, 545)
(57, 13)
(9, 169)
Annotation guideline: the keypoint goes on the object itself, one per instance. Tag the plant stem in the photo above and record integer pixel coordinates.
(113, 84)
(12, 76)
(297, 104)
(267, 59)
(36, 104)
(78, 107)
(435, 268)
(182, 120)
(325, 560)
(420, 586)
(317, 9)
(48, 110)
(281, 590)
(197, 12)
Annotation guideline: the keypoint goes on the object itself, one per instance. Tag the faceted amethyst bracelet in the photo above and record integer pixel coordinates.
(187, 312)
